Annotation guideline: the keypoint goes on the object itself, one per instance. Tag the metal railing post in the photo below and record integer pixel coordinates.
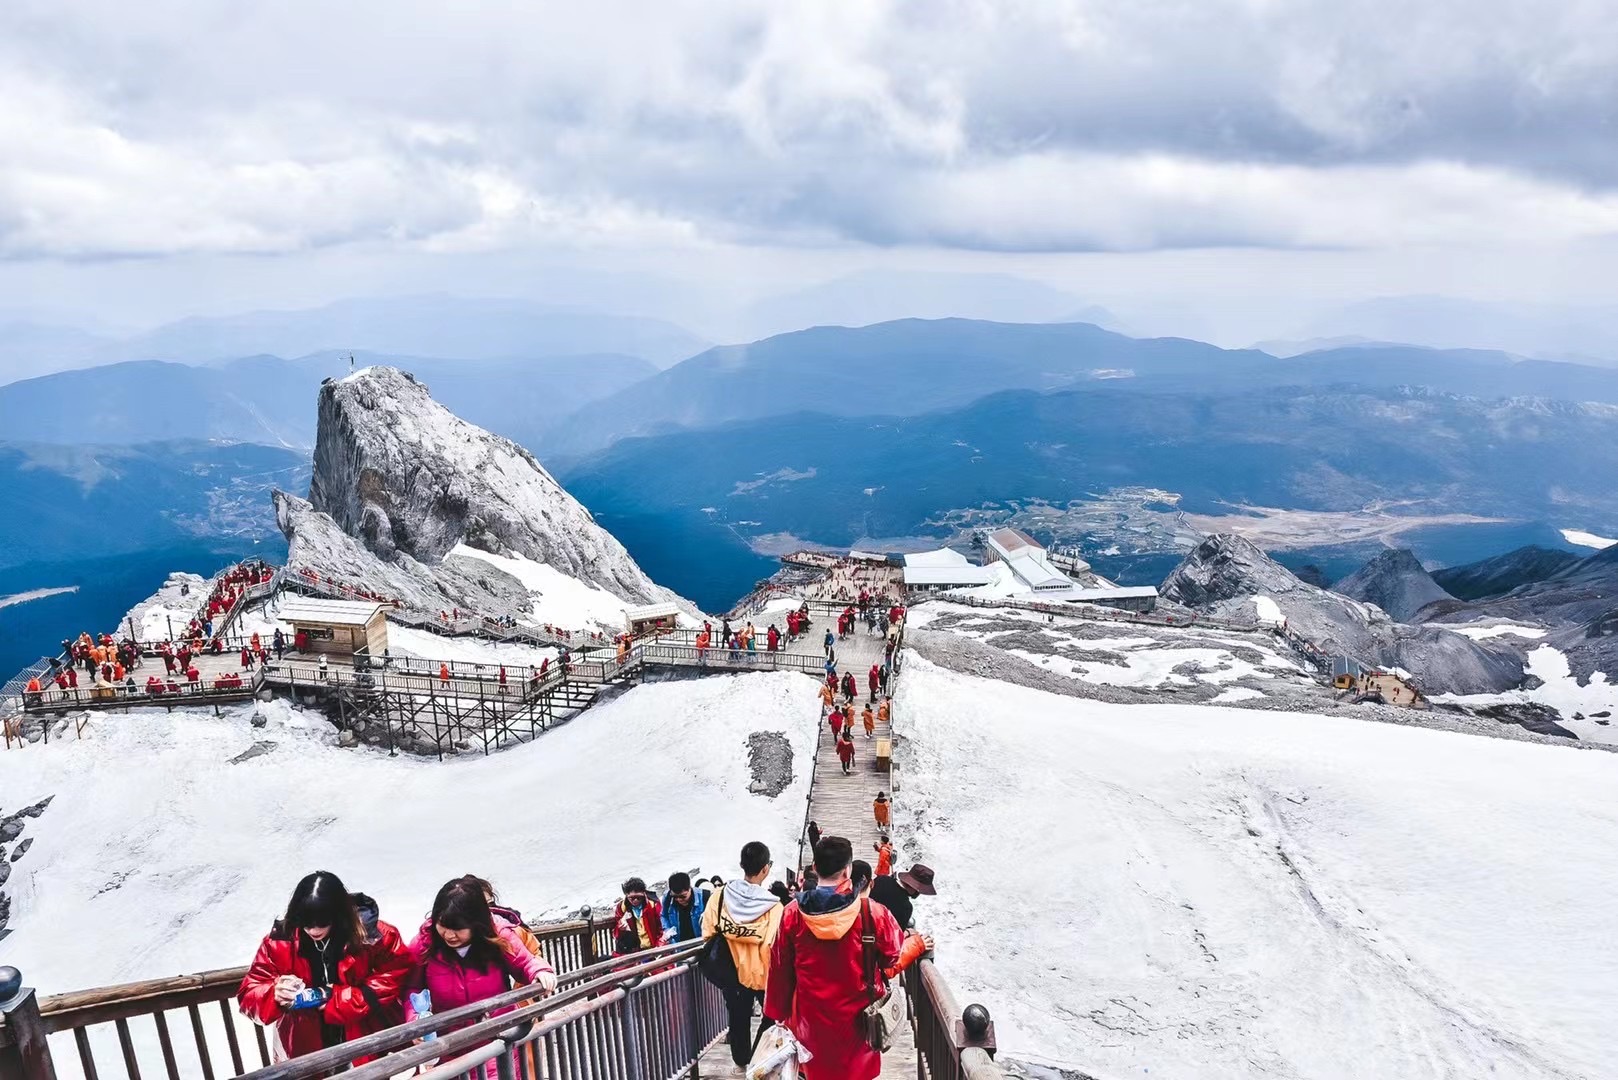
(25, 1054)
(633, 1060)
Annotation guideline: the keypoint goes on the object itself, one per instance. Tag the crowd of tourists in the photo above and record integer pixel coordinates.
(330, 970)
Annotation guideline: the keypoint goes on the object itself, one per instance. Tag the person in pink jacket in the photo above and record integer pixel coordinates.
(464, 953)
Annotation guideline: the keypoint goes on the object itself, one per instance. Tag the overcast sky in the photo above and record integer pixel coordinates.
(167, 156)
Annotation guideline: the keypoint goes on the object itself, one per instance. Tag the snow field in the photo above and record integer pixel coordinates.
(1587, 539)
(1148, 661)
(409, 641)
(1560, 689)
(1484, 633)
(559, 600)
(158, 857)
(1201, 892)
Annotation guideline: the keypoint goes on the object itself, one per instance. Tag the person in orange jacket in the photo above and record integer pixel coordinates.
(881, 809)
(869, 719)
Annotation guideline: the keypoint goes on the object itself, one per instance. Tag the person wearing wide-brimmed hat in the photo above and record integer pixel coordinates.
(895, 892)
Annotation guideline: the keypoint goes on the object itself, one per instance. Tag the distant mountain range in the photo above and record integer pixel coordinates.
(433, 325)
(839, 478)
(265, 399)
(916, 366)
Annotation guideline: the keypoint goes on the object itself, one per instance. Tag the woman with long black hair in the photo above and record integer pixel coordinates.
(319, 976)
(465, 953)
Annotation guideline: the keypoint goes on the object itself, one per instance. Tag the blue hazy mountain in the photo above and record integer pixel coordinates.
(70, 502)
(914, 366)
(434, 325)
(266, 399)
(836, 479)
(874, 296)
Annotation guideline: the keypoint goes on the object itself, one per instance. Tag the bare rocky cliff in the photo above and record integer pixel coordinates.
(399, 481)
(1223, 574)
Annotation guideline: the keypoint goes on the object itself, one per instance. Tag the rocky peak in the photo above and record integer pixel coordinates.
(1224, 573)
(407, 478)
(1226, 567)
(1396, 582)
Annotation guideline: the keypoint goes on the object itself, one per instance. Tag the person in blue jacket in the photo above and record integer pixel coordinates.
(682, 910)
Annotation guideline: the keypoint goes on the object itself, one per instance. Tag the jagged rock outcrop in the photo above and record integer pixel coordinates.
(1500, 574)
(317, 543)
(1223, 574)
(399, 481)
(1396, 582)
(1579, 603)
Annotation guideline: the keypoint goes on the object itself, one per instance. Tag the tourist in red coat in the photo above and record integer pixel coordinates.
(817, 981)
(637, 920)
(350, 977)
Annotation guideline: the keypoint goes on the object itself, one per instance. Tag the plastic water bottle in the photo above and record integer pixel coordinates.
(421, 1001)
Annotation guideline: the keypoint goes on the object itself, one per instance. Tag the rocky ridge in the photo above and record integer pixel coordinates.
(1396, 582)
(1500, 574)
(1224, 574)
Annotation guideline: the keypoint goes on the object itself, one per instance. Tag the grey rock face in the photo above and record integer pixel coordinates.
(1502, 573)
(1579, 603)
(1396, 582)
(1223, 574)
(399, 481)
(408, 478)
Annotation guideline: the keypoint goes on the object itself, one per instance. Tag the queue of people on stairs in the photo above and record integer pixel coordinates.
(331, 970)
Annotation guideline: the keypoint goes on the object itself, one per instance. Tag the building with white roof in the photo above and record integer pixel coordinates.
(1027, 559)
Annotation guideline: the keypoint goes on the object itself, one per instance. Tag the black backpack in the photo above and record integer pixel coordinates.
(715, 961)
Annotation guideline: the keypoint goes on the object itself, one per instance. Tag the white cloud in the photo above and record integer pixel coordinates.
(193, 127)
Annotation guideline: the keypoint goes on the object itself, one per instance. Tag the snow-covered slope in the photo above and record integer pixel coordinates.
(408, 477)
(171, 858)
(1200, 893)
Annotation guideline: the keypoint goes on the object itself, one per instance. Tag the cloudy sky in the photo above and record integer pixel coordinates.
(171, 156)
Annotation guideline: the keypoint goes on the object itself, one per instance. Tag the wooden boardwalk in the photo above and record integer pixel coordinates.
(841, 805)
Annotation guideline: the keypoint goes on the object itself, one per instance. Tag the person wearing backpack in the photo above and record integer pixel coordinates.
(827, 968)
(748, 916)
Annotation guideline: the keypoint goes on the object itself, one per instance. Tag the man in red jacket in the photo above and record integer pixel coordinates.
(817, 967)
(637, 920)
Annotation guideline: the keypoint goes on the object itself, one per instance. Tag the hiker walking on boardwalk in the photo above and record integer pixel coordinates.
(845, 752)
(874, 680)
(835, 721)
(881, 810)
(319, 977)
(637, 920)
(443, 674)
(831, 640)
(869, 719)
(851, 689)
(819, 969)
(682, 910)
(884, 856)
(748, 916)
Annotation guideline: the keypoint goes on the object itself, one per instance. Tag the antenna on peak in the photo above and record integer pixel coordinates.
(351, 363)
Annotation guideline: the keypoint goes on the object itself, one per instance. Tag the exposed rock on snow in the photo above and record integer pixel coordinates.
(399, 482)
(1223, 574)
(1394, 581)
(1579, 603)
(769, 755)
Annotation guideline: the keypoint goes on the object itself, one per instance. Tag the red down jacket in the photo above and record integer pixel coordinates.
(380, 967)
